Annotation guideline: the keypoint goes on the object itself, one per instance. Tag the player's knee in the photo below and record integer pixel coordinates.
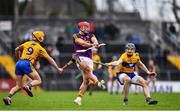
(85, 82)
(18, 87)
(144, 83)
(127, 80)
(87, 69)
(38, 80)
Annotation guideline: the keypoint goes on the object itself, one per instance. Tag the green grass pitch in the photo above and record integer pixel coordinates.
(63, 100)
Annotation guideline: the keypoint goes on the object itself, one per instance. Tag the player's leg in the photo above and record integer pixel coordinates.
(135, 89)
(154, 85)
(127, 84)
(100, 84)
(146, 91)
(91, 85)
(87, 68)
(112, 84)
(118, 87)
(7, 100)
(19, 73)
(126, 80)
(36, 80)
(82, 90)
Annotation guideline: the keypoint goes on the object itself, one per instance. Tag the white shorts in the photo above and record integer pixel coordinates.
(133, 77)
(87, 60)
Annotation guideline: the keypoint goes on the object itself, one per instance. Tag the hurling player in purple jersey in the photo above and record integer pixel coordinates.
(83, 40)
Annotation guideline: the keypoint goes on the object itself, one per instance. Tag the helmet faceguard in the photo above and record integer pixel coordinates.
(130, 49)
(84, 27)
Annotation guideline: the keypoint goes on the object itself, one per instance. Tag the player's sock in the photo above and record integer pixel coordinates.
(96, 82)
(28, 90)
(80, 95)
(29, 84)
(10, 95)
(125, 101)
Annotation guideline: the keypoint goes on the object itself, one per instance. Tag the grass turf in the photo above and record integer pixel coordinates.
(63, 100)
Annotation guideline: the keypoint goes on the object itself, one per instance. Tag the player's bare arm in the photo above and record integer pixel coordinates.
(143, 67)
(114, 63)
(53, 63)
(18, 51)
(95, 42)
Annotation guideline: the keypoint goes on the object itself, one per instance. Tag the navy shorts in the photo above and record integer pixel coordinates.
(23, 67)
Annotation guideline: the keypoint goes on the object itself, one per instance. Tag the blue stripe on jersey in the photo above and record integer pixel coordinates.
(128, 65)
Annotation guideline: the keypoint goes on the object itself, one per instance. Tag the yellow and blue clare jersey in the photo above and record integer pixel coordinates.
(32, 50)
(129, 62)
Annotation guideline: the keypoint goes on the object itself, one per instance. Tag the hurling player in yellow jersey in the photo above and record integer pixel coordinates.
(126, 76)
(30, 51)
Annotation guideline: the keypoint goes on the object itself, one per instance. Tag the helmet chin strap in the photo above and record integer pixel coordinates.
(35, 38)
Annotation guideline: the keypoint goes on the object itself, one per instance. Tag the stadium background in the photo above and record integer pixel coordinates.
(115, 24)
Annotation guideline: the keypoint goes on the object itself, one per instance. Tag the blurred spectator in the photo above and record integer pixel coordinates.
(27, 36)
(158, 54)
(55, 54)
(166, 52)
(172, 29)
(69, 29)
(129, 37)
(1, 51)
(136, 39)
(111, 30)
(59, 43)
(152, 68)
(100, 31)
(173, 33)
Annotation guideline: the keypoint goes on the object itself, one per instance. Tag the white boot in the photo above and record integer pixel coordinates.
(78, 101)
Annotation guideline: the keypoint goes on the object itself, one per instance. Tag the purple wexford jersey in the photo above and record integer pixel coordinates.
(87, 38)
